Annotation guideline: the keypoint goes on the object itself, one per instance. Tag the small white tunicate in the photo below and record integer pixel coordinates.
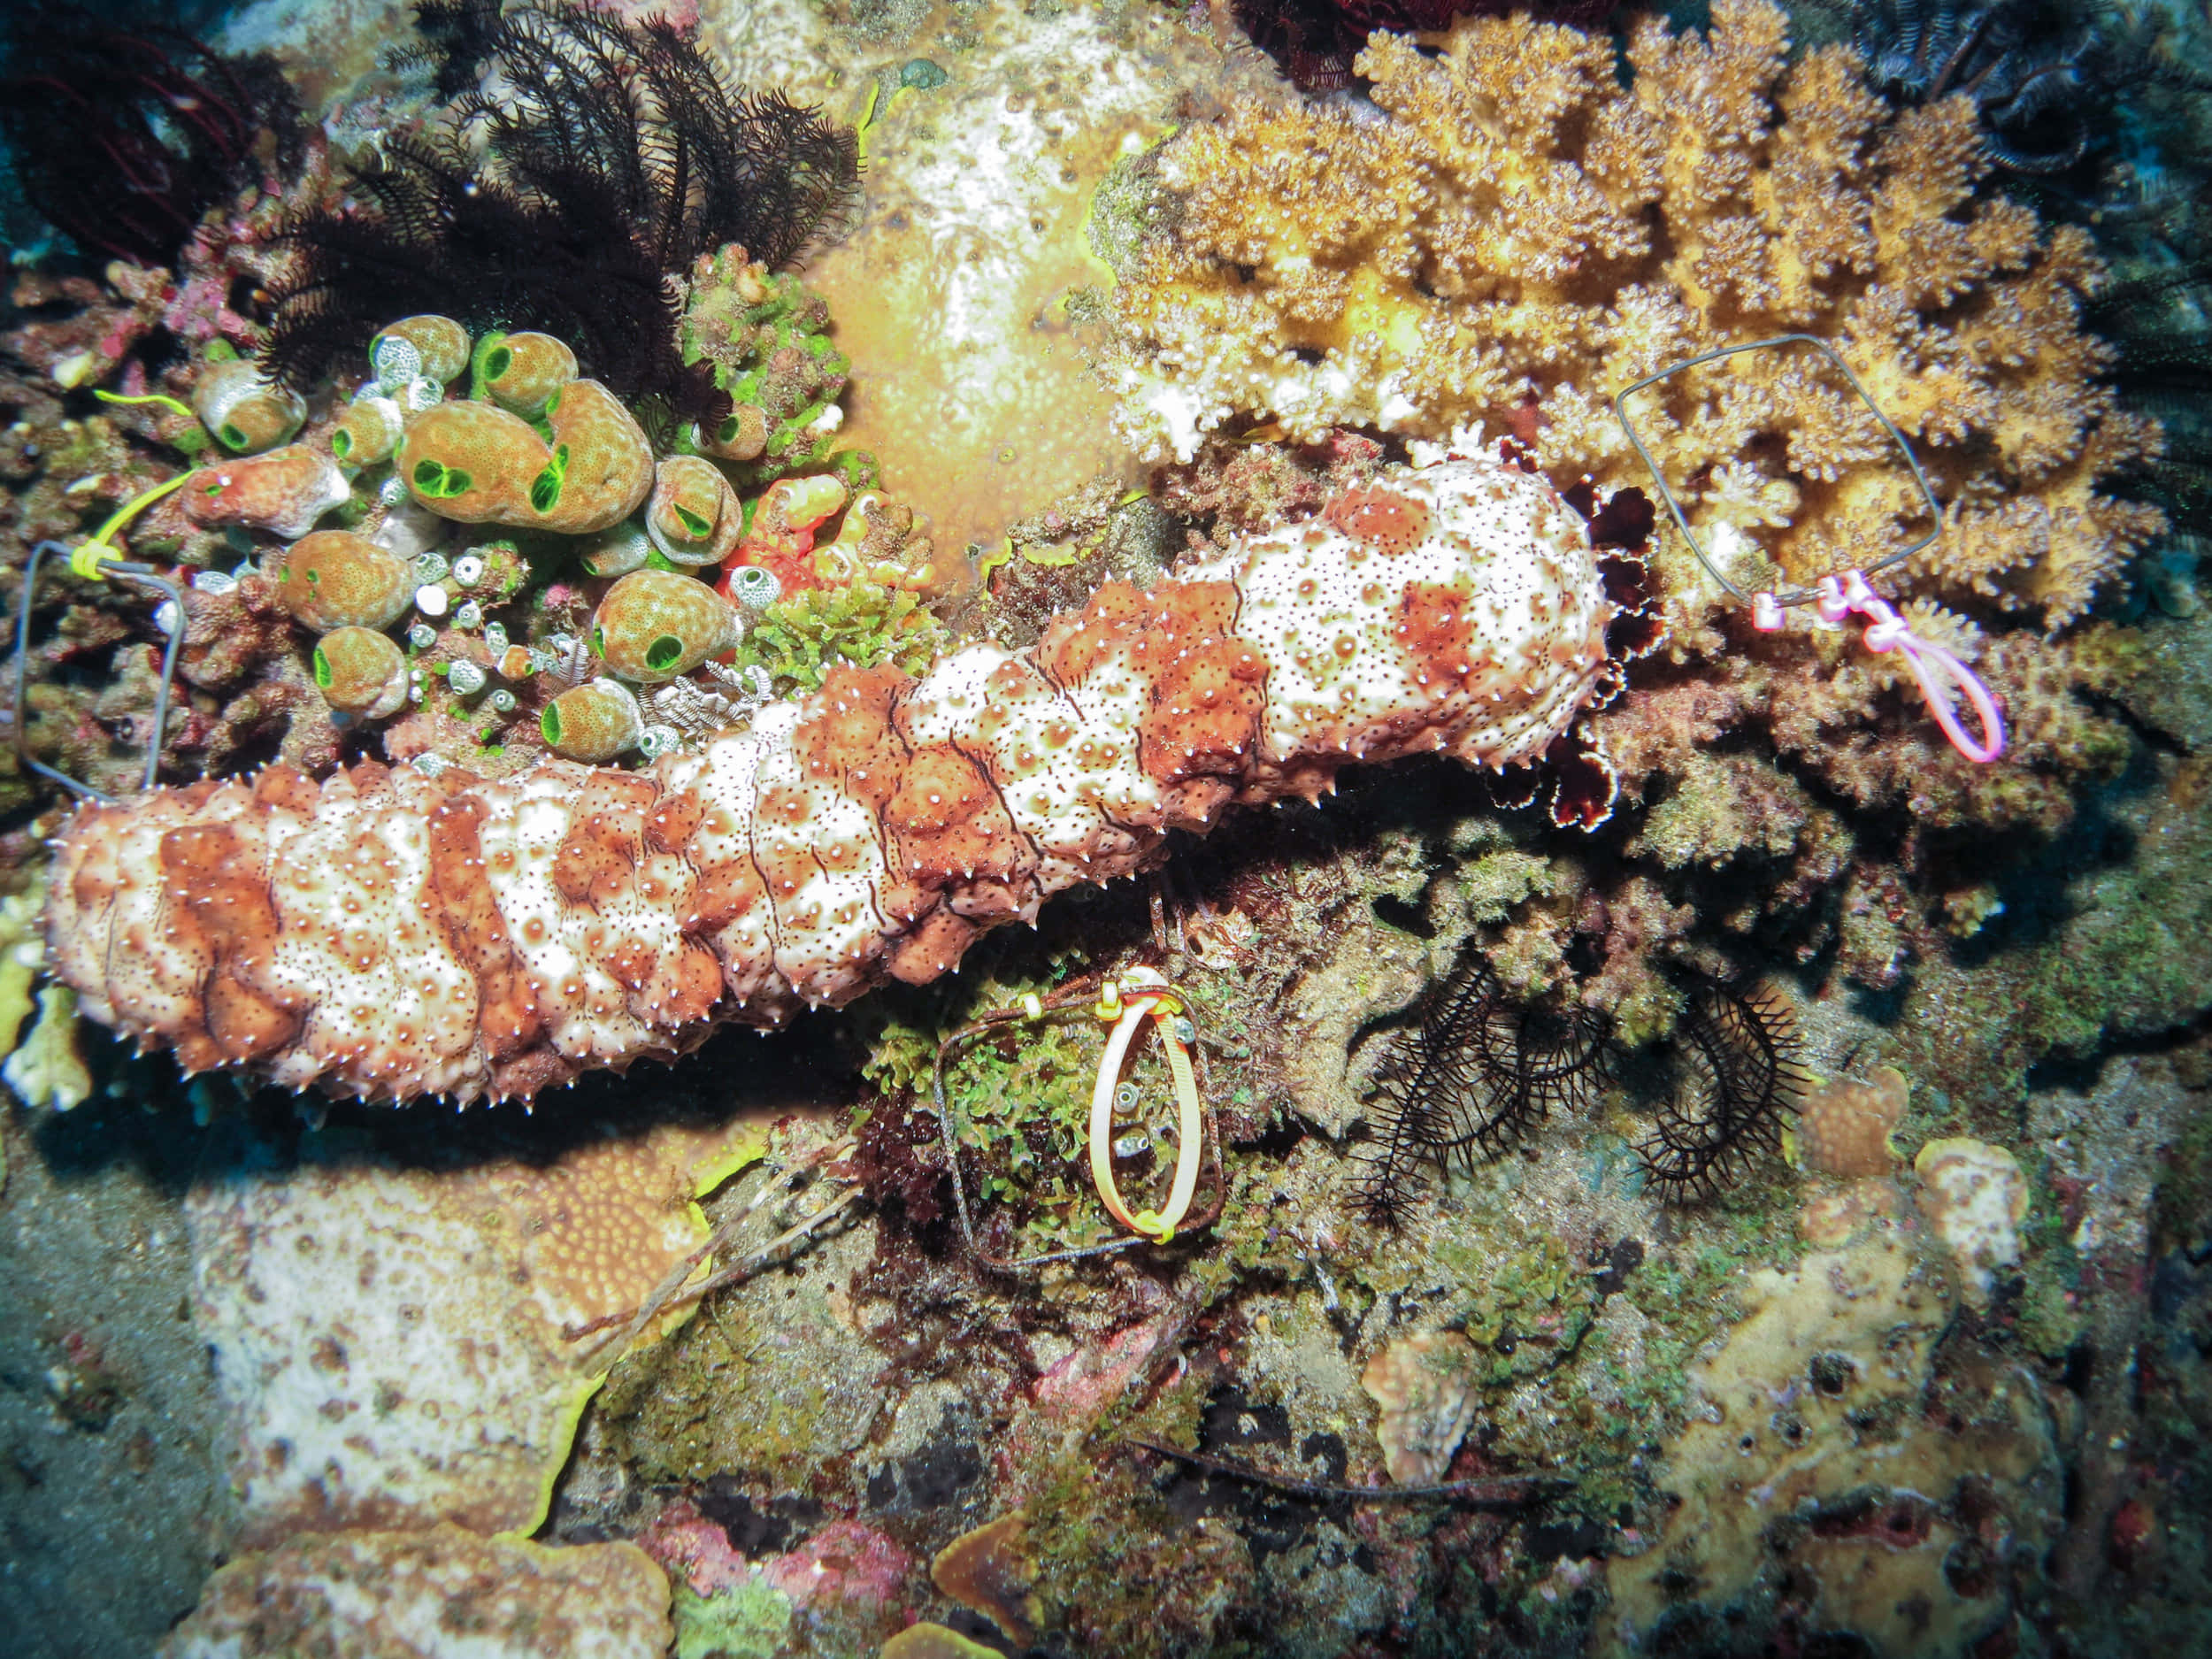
(419, 395)
(470, 615)
(657, 740)
(1132, 1146)
(430, 766)
(468, 570)
(391, 492)
(753, 587)
(496, 637)
(422, 636)
(431, 567)
(396, 361)
(466, 678)
(215, 581)
(501, 701)
(168, 618)
(430, 600)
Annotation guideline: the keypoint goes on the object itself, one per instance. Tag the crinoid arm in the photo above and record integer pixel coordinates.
(1471, 1081)
(1739, 1047)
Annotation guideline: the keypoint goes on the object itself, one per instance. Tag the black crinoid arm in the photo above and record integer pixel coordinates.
(1739, 1076)
(596, 160)
(122, 134)
(1476, 1074)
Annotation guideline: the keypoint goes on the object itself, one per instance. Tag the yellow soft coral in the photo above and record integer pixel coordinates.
(1522, 236)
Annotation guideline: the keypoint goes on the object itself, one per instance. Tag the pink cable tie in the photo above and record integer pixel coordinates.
(1942, 677)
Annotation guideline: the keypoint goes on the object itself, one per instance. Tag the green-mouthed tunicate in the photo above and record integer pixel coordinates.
(335, 579)
(655, 625)
(368, 431)
(616, 552)
(361, 672)
(593, 722)
(693, 517)
(245, 412)
(523, 371)
(441, 344)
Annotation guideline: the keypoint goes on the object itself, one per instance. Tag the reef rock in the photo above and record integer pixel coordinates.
(398, 1346)
(430, 1595)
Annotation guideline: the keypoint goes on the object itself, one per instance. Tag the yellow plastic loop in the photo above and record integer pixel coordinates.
(1034, 1005)
(1164, 1008)
(92, 559)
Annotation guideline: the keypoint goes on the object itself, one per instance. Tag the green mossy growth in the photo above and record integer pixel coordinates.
(800, 639)
(767, 337)
(748, 1621)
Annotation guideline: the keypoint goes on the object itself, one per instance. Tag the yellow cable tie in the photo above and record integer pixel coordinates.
(1157, 1225)
(91, 559)
(105, 535)
(167, 402)
(1033, 1005)
(1108, 1006)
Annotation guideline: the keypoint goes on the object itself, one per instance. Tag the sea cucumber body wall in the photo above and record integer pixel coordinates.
(388, 935)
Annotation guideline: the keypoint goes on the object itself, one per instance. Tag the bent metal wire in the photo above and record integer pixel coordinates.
(1802, 596)
(96, 557)
(1943, 678)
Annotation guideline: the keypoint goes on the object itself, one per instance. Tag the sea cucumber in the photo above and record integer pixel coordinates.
(388, 935)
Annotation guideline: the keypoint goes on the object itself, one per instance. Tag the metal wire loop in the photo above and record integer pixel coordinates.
(1801, 595)
(142, 576)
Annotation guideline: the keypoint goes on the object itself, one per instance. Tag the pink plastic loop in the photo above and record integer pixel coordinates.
(1943, 679)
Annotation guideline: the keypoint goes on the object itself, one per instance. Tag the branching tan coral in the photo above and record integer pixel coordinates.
(1521, 236)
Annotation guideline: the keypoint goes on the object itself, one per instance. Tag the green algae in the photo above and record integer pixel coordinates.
(747, 1621)
(799, 640)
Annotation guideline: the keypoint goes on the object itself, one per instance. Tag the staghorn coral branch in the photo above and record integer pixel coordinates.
(387, 935)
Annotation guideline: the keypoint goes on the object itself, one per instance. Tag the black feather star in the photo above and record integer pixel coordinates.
(123, 137)
(1478, 1074)
(611, 154)
(2044, 75)
(1740, 1048)
(1482, 1069)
